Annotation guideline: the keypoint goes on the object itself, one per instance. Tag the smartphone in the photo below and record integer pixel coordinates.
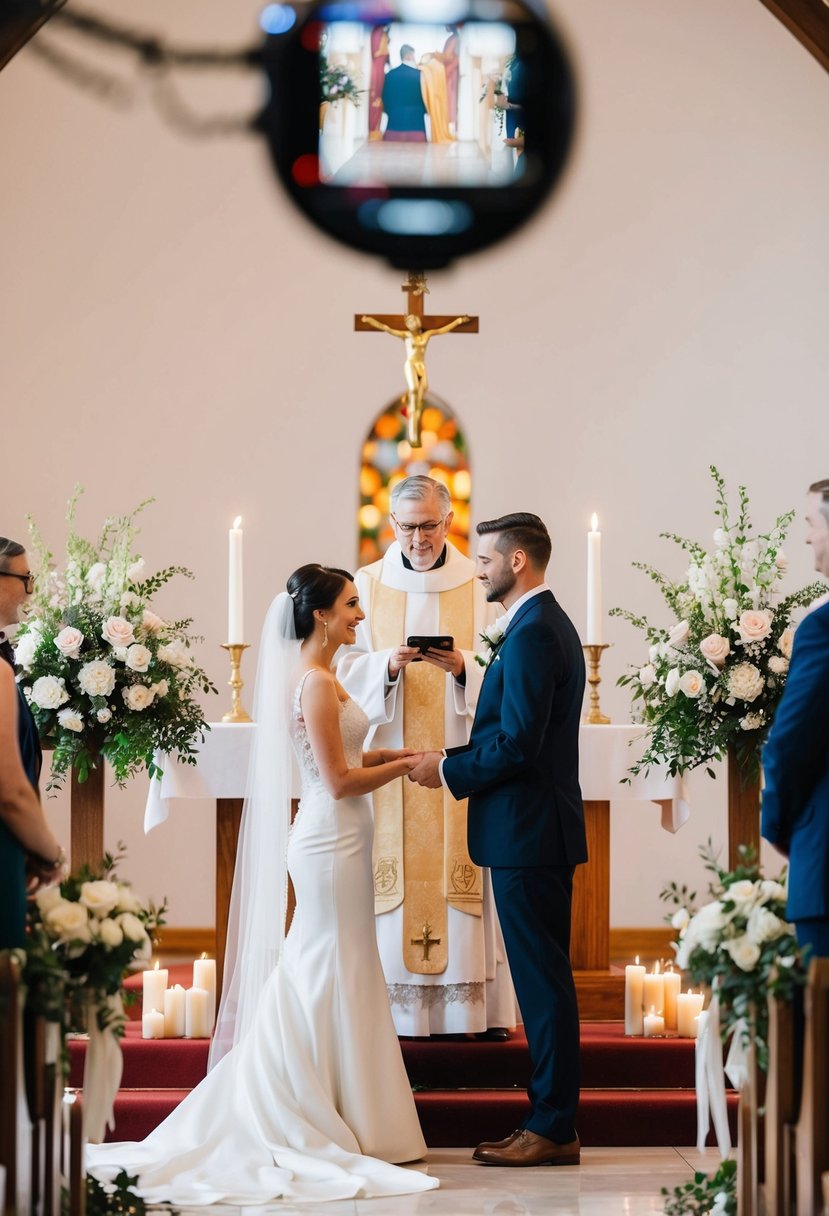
(424, 643)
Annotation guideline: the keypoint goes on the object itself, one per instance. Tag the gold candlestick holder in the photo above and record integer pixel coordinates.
(237, 710)
(594, 716)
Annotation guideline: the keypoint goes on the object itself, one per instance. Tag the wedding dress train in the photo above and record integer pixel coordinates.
(314, 1102)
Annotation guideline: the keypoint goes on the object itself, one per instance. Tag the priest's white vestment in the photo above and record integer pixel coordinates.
(475, 990)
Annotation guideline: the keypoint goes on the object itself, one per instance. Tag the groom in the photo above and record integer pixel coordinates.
(526, 820)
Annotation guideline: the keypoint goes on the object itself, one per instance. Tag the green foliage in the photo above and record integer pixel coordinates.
(336, 84)
(704, 1196)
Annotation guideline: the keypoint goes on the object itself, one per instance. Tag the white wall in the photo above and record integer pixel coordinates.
(169, 326)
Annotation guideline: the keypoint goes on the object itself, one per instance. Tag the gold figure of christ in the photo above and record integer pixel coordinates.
(426, 941)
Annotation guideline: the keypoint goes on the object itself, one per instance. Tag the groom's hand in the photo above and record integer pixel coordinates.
(427, 772)
(446, 660)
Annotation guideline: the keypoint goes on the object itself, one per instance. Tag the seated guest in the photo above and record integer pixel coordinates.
(25, 837)
(403, 101)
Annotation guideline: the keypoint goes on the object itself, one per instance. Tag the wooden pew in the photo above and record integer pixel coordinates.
(812, 1133)
(15, 1125)
(782, 1102)
(72, 1152)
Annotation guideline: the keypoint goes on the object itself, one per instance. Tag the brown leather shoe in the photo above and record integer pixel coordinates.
(497, 1143)
(529, 1149)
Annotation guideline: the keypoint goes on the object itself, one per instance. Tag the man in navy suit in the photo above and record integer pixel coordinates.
(520, 771)
(796, 756)
(403, 101)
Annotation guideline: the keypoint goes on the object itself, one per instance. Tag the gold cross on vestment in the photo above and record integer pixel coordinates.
(426, 941)
(415, 330)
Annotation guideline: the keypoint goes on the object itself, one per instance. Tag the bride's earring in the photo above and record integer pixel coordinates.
(324, 634)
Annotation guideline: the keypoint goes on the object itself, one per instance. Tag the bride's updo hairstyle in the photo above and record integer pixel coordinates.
(312, 587)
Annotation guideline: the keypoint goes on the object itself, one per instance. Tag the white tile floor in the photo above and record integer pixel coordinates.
(609, 1181)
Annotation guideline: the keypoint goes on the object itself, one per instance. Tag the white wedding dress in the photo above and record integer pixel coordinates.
(314, 1102)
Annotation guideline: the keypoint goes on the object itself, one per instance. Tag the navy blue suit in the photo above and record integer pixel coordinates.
(796, 770)
(526, 822)
(403, 101)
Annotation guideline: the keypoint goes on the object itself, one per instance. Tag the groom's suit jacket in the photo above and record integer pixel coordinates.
(796, 770)
(520, 767)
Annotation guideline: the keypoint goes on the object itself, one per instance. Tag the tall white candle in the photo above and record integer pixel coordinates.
(673, 983)
(195, 1016)
(634, 983)
(174, 1010)
(235, 591)
(688, 1008)
(594, 584)
(204, 976)
(154, 986)
(654, 990)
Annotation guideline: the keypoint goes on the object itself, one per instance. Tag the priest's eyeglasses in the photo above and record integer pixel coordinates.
(427, 529)
(28, 580)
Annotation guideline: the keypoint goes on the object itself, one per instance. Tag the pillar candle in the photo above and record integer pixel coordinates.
(195, 1021)
(204, 976)
(152, 1025)
(672, 981)
(634, 983)
(688, 1007)
(174, 1012)
(654, 1024)
(235, 593)
(594, 584)
(155, 984)
(654, 990)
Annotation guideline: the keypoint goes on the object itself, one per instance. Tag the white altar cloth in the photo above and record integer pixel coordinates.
(605, 755)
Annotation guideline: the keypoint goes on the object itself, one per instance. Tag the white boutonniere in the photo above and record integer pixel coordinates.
(492, 637)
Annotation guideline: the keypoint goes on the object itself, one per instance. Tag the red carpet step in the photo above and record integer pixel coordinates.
(634, 1091)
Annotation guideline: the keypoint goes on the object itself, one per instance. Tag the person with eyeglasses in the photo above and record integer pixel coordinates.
(30, 854)
(437, 930)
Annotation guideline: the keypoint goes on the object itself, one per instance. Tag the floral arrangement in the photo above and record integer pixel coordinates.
(704, 1196)
(82, 936)
(116, 1197)
(714, 678)
(103, 673)
(336, 84)
(492, 637)
(740, 943)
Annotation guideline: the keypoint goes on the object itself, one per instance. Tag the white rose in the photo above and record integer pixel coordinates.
(27, 644)
(132, 927)
(70, 720)
(720, 538)
(120, 653)
(69, 921)
(751, 722)
(127, 901)
(672, 682)
(138, 657)
(770, 889)
(655, 652)
(784, 642)
(678, 636)
(95, 575)
(715, 648)
(177, 655)
(781, 561)
(69, 642)
(778, 664)
(743, 951)
(100, 897)
(48, 897)
(764, 926)
(117, 631)
(730, 608)
(745, 682)
(708, 924)
(111, 933)
(647, 675)
(96, 679)
(161, 688)
(135, 571)
(49, 692)
(138, 696)
(151, 623)
(755, 625)
(104, 715)
(691, 683)
(742, 892)
(129, 600)
(680, 920)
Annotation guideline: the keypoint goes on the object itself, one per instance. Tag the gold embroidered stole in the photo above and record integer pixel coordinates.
(410, 822)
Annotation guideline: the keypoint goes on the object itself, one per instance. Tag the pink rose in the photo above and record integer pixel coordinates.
(68, 642)
(715, 649)
(755, 625)
(118, 632)
(784, 642)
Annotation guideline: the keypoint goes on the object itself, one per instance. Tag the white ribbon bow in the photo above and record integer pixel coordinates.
(103, 1067)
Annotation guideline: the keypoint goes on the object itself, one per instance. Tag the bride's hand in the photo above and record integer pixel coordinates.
(400, 753)
(412, 760)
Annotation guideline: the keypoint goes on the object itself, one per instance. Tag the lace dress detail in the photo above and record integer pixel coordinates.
(354, 726)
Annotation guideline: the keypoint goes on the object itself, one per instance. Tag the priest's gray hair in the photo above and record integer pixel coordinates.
(420, 488)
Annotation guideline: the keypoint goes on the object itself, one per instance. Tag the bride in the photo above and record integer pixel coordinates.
(306, 1097)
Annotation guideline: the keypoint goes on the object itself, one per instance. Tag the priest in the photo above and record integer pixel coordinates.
(437, 930)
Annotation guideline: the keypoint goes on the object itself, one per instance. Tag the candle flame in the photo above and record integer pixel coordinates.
(204, 954)
(637, 960)
(656, 967)
(594, 522)
(237, 523)
(155, 968)
(653, 1010)
(690, 992)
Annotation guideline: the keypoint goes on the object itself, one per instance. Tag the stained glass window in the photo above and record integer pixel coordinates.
(388, 458)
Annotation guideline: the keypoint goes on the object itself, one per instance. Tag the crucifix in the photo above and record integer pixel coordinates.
(415, 330)
(426, 941)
